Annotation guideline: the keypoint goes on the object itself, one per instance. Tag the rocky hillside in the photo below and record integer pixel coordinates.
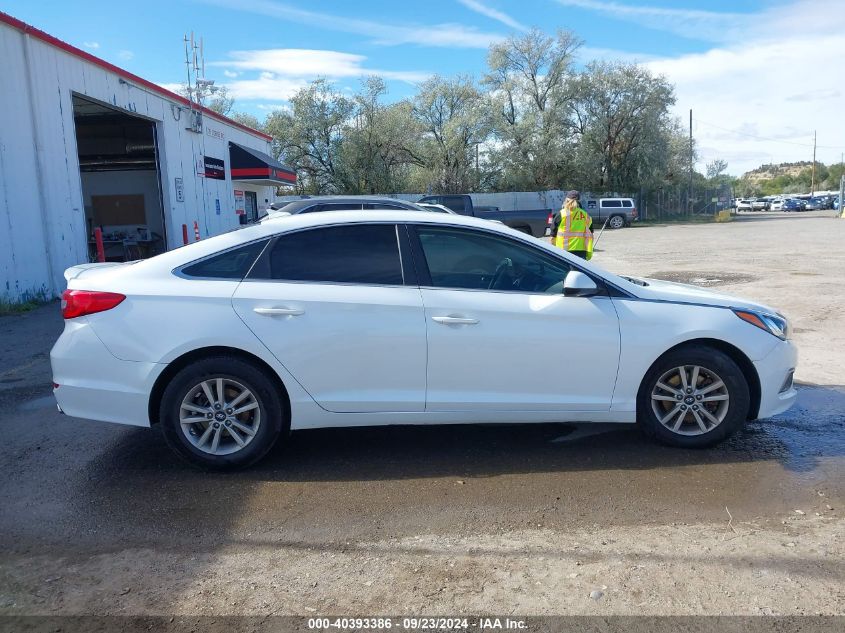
(768, 172)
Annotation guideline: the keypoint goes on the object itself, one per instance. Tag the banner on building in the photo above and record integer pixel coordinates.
(240, 202)
(214, 168)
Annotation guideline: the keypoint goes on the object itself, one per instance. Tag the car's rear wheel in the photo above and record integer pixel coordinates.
(693, 397)
(616, 222)
(221, 413)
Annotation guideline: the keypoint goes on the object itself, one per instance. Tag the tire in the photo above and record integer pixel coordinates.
(616, 221)
(195, 442)
(713, 366)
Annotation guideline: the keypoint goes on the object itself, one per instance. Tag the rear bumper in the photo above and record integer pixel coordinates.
(777, 393)
(93, 384)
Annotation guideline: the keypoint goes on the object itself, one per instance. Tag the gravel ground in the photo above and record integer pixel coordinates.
(99, 519)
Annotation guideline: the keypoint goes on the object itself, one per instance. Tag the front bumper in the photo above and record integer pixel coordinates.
(777, 393)
(93, 384)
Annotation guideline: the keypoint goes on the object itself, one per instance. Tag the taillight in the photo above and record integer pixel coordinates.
(549, 220)
(77, 303)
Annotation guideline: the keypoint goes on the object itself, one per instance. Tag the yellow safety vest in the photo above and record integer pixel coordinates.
(574, 233)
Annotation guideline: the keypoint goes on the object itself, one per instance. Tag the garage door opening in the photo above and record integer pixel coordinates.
(121, 181)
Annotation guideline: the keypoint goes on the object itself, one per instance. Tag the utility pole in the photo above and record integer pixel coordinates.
(813, 177)
(689, 190)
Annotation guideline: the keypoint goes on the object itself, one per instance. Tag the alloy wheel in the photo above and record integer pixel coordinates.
(690, 400)
(219, 416)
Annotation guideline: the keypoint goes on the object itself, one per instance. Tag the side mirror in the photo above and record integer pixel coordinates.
(577, 284)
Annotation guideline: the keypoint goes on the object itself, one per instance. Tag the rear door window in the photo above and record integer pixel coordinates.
(232, 264)
(356, 254)
(627, 203)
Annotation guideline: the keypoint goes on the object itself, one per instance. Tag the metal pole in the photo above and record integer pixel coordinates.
(813, 177)
(841, 196)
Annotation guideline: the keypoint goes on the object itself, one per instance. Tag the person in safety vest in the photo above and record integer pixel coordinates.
(572, 228)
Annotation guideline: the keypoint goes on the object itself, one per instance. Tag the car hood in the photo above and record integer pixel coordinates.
(659, 290)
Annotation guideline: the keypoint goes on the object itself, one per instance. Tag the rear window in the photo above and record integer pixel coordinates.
(611, 203)
(456, 203)
(231, 264)
(627, 203)
(359, 253)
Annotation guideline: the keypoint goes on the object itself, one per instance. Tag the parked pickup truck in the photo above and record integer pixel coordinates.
(533, 221)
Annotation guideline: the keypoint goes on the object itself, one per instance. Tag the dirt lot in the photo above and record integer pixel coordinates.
(101, 519)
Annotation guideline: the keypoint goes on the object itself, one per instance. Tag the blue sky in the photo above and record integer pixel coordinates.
(742, 65)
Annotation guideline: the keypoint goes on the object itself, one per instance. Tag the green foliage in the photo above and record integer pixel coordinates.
(534, 122)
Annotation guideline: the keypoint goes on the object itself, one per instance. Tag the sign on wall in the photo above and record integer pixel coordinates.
(214, 168)
(240, 203)
(180, 190)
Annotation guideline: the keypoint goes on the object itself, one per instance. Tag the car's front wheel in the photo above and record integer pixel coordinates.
(221, 413)
(693, 397)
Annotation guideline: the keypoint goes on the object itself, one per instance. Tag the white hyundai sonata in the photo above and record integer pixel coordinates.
(397, 317)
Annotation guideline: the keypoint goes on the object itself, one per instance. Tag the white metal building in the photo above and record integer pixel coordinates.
(86, 144)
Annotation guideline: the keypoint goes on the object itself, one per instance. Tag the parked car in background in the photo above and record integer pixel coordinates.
(395, 317)
(791, 204)
(341, 203)
(531, 222)
(743, 204)
(437, 208)
(812, 204)
(776, 204)
(835, 203)
(758, 204)
(618, 212)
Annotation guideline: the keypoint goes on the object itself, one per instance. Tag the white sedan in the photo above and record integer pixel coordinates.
(396, 317)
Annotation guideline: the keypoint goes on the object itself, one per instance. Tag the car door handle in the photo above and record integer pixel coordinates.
(278, 311)
(454, 320)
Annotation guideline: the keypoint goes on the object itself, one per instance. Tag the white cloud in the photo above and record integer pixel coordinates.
(230, 74)
(495, 14)
(91, 45)
(758, 95)
(273, 107)
(307, 63)
(266, 87)
(282, 72)
(125, 55)
(445, 35)
(692, 23)
(172, 87)
(760, 102)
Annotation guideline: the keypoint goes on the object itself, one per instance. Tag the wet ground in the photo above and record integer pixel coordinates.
(98, 518)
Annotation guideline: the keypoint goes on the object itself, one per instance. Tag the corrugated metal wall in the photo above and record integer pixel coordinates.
(42, 217)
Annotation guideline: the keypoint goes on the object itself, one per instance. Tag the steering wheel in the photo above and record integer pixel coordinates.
(505, 267)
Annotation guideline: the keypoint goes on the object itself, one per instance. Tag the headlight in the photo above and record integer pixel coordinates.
(772, 323)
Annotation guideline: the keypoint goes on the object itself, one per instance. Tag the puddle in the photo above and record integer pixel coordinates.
(700, 278)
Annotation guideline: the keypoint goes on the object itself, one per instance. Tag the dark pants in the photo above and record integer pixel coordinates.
(581, 254)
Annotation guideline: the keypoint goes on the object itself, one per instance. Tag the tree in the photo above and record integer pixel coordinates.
(309, 136)
(382, 142)
(214, 98)
(249, 120)
(625, 135)
(454, 118)
(716, 168)
(527, 79)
